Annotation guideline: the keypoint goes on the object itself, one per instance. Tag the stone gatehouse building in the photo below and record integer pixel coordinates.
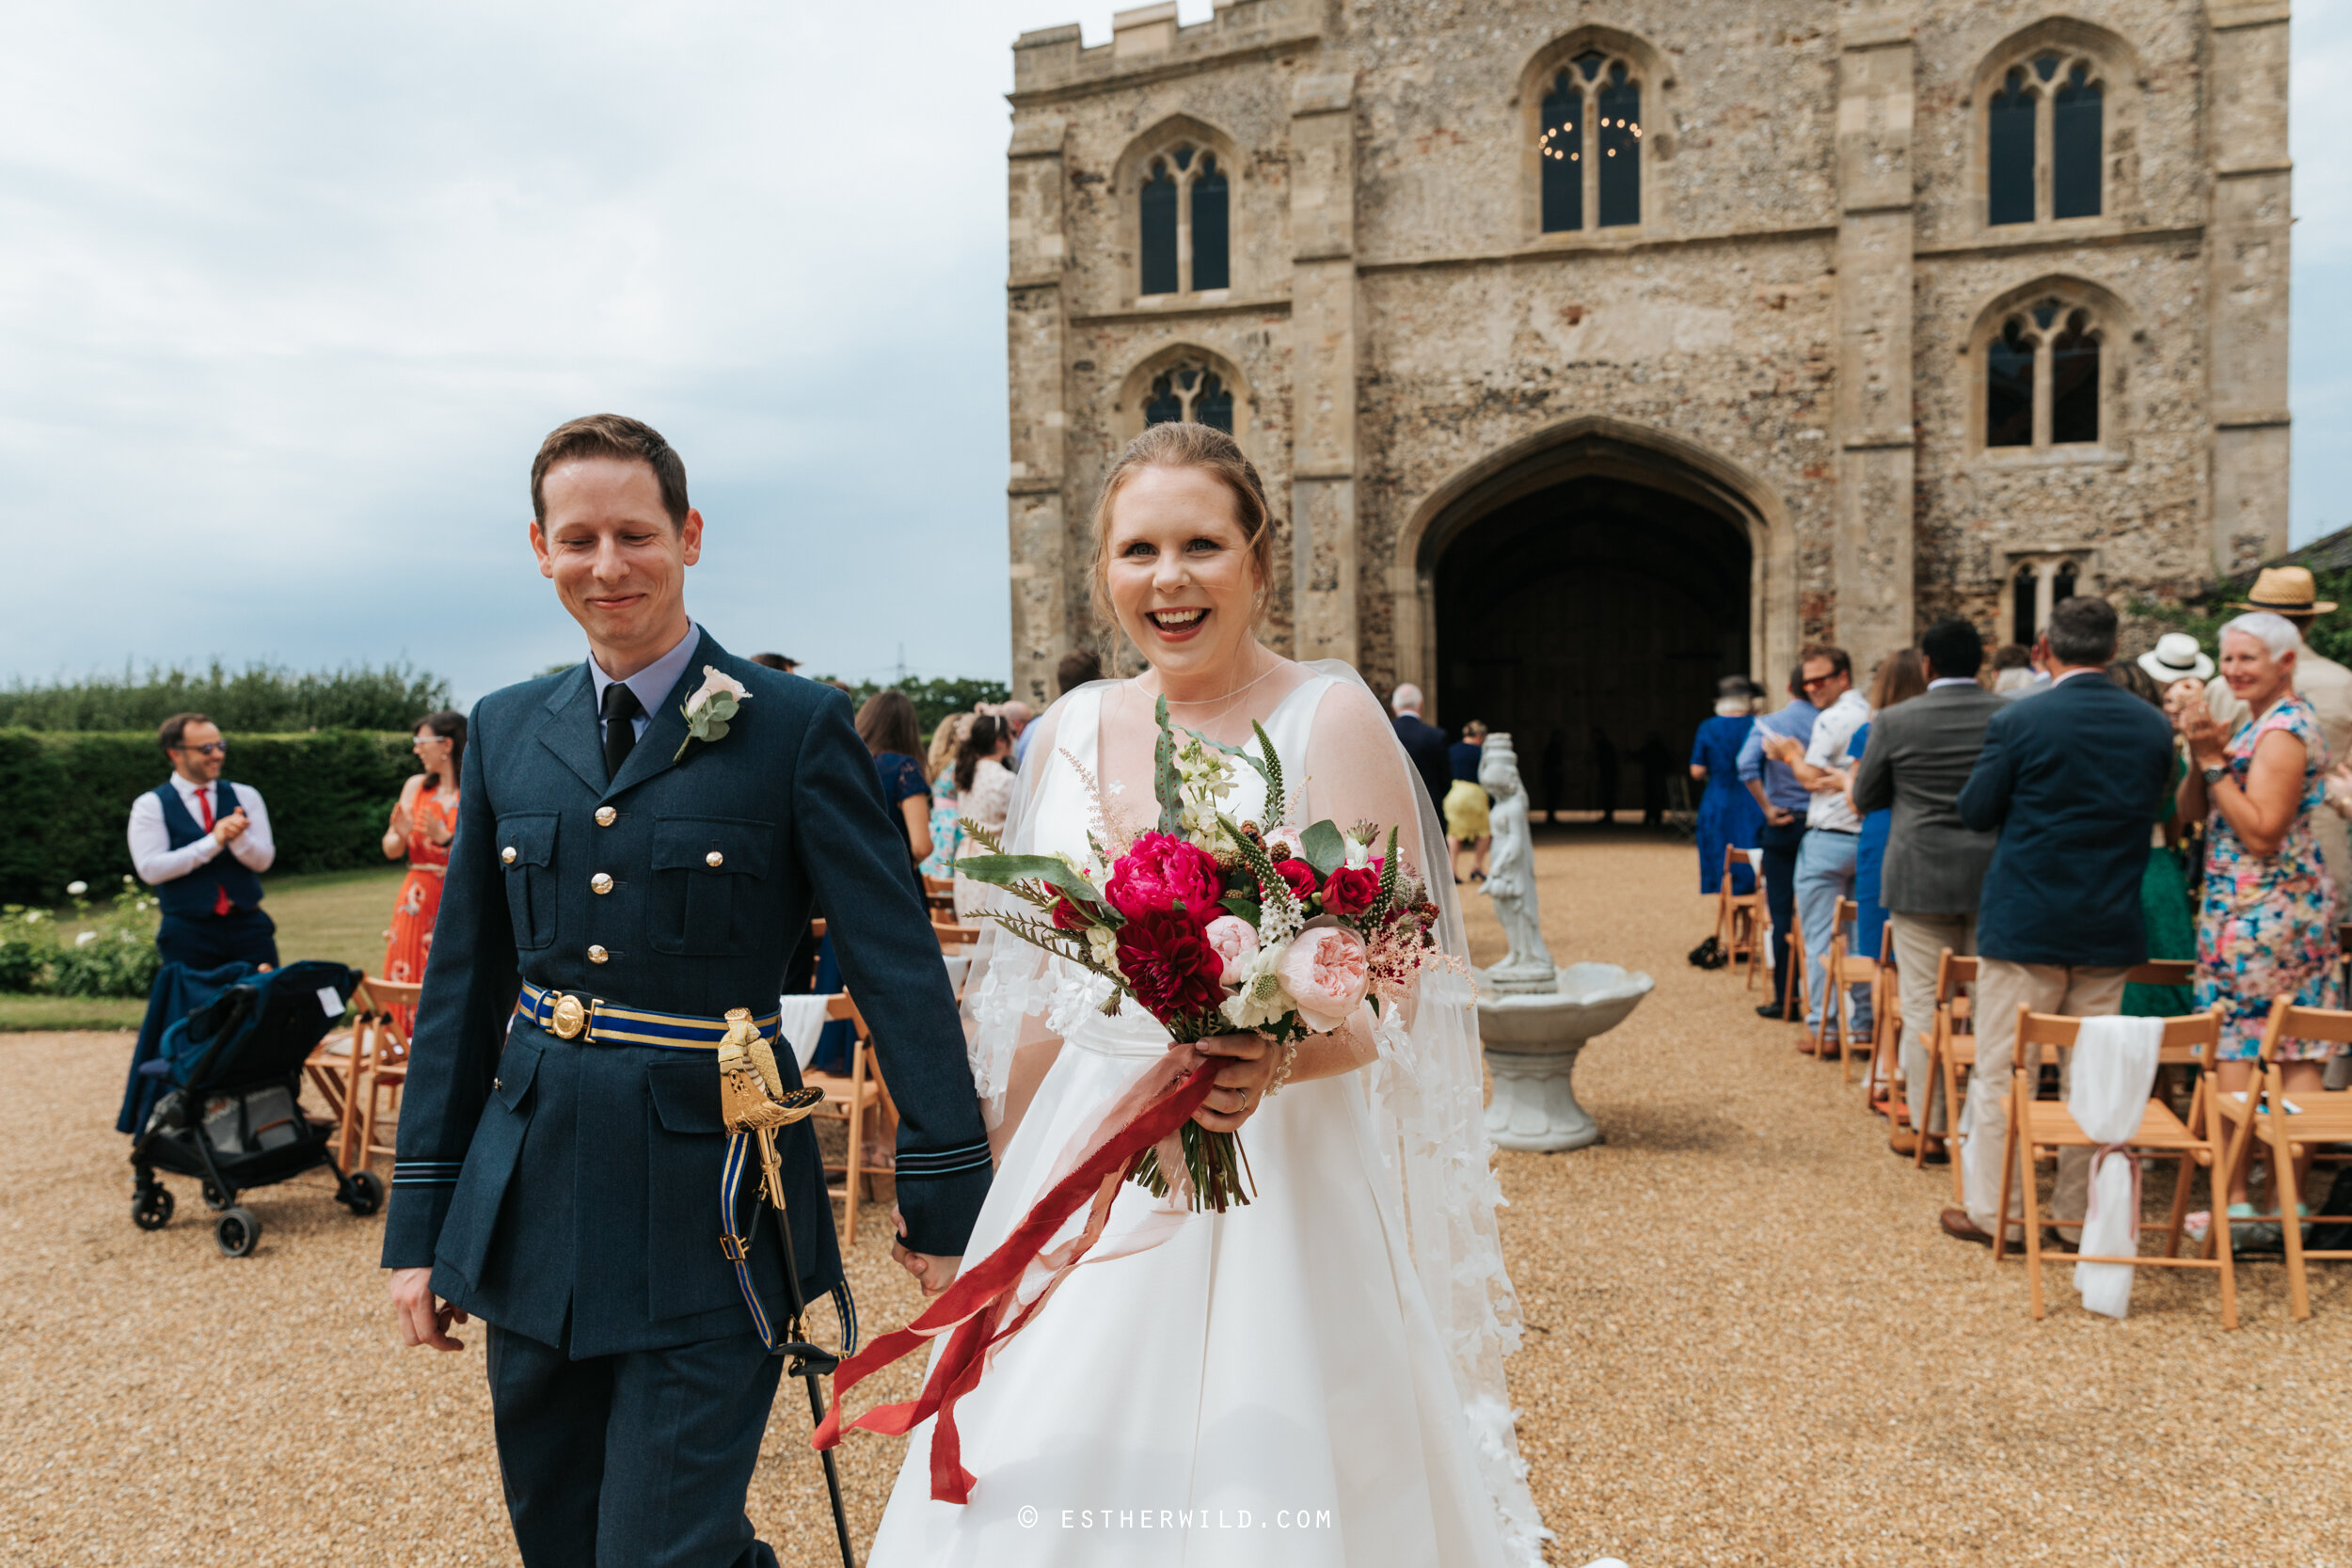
(1592, 351)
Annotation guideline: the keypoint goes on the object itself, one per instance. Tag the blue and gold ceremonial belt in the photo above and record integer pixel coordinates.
(568, 1015)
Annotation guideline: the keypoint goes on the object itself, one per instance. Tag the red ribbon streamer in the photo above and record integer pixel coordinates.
(974, 1308)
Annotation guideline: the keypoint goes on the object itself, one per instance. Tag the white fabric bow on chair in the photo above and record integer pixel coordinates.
(802, 1025)
(2113, 1073)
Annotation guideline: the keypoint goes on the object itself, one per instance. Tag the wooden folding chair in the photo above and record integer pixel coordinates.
(2036, 1127)
(2287, 1125)
(367, 1130)
(1843, 971)
(939, 895)
(853, 1100)
(955, 939)
(1882, 1085)
(1952, 1050)
(1793, 983)
(1740, 916)
(333, 1064)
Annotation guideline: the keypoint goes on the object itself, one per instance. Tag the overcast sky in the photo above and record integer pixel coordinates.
(289, 294)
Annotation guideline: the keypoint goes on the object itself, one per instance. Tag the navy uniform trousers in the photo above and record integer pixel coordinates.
(566, 1190)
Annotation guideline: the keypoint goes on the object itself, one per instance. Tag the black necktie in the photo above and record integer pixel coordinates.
(621, 708)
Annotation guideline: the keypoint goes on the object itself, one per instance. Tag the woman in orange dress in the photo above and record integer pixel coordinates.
(423, 825)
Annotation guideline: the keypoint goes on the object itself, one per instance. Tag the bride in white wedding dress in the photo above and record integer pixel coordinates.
(1315, 1378)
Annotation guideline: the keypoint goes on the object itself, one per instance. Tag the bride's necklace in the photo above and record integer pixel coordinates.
(1228, 699)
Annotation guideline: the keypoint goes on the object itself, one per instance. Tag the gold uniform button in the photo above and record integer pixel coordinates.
(606, 817)
(714, 860)
(601, 882)
(507, 854)
(597, 955)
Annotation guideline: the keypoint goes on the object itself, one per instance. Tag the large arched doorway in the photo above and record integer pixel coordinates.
(1586, 594)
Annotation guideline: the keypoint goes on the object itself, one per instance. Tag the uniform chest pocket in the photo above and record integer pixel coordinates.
(708, 876)
(526, 853)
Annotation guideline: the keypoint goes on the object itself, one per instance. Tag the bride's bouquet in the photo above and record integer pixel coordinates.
(1217, 927)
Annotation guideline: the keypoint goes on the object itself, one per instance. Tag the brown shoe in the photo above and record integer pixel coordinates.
(1905, 1142)
(1958, 1225)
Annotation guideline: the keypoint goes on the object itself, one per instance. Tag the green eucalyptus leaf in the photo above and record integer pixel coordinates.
(1322, 846)
(1005, 870)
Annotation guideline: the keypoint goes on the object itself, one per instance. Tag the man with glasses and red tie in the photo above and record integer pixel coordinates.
(201, 843)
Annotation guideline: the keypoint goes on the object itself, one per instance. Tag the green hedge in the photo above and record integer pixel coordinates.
(65, 801)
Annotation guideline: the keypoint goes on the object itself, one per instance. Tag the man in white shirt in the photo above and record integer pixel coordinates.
(178, 830)
(1825, 863)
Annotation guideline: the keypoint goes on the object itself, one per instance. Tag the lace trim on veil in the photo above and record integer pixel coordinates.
(1426, 1094)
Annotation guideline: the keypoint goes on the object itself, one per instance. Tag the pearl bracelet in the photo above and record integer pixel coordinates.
(1282, 1073)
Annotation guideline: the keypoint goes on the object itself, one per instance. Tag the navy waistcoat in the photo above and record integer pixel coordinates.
(192, 896)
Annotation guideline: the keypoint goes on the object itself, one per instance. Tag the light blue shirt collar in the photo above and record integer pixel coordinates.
(653, 683)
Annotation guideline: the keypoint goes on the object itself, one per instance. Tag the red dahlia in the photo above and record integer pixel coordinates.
(1173, 972)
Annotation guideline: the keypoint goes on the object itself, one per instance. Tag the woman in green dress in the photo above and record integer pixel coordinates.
(2164, 892)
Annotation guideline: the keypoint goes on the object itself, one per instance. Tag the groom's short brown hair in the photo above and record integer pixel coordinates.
(611, 435)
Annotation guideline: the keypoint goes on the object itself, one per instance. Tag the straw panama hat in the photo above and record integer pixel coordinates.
(2286, 591)
(2176, 656)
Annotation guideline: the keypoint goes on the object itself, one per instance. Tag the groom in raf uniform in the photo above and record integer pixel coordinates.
(561, 1150)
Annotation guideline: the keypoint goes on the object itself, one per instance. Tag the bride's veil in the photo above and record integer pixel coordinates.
(1426, 1094)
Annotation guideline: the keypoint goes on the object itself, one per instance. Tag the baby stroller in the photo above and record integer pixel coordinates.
(230, 1112)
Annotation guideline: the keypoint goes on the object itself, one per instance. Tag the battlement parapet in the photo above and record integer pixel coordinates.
(1149, 41)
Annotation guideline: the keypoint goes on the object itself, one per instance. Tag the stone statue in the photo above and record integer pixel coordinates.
(1511, 873)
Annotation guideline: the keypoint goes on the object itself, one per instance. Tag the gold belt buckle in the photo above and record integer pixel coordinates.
(570, 1017)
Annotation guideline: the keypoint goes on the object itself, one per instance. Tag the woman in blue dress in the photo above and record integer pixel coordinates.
(1728, 814)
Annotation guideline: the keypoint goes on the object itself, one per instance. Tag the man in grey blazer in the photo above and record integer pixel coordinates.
(1920, 753)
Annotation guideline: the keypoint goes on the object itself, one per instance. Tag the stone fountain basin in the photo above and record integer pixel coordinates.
(1586, 999)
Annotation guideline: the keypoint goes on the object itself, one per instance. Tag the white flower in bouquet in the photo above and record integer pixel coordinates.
(1205, 777)
(1261, 1002)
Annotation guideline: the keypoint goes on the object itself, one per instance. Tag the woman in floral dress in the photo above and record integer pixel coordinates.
(423, 825)
(2267, 925)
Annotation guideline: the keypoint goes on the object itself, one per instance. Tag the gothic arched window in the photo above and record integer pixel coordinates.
(1603, 92)
(2046, 140)
(1156, 213)
(2078, 144)
(2041, 382)
(1184, 223)
(1189, 391)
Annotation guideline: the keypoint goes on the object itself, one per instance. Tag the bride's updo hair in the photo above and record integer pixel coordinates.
(1177, 445)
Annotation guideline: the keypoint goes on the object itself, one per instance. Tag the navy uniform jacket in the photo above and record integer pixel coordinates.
(569, 1191)
(2073, 779)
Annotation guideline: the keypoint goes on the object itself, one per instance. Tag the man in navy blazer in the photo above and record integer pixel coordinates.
(1424, 742)
(617, 886)
(2072, 779)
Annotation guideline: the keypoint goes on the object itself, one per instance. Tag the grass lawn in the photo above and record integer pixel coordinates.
(342, 915)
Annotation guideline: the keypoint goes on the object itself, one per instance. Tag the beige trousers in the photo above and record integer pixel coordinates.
(1919, 943)
(2001, 987)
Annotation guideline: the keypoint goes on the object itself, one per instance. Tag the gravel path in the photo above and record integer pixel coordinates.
(1748, 1344)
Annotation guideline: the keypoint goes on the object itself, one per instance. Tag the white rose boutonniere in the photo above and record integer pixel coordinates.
(714, 703)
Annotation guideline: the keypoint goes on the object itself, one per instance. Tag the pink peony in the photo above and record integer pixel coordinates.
(1161, 871)
(1325, 972)
(1236, 942)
